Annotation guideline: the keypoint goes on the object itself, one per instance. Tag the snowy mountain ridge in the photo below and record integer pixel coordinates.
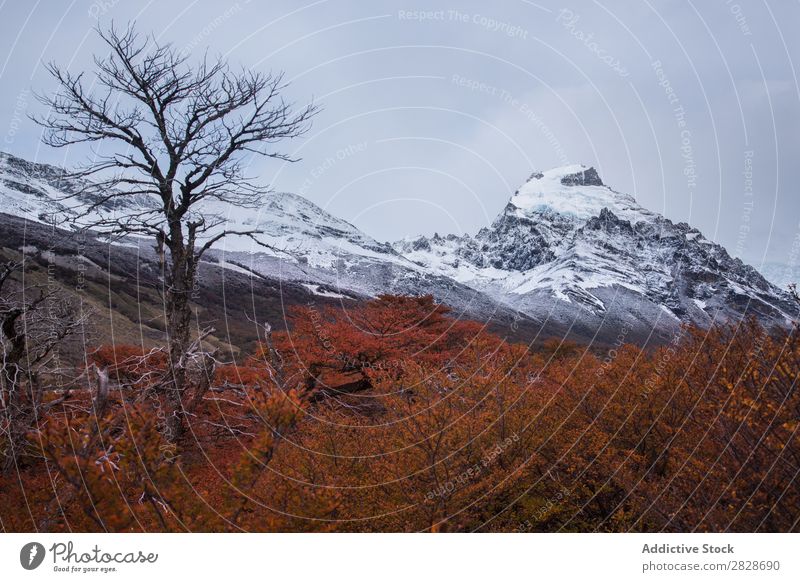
(566, 252)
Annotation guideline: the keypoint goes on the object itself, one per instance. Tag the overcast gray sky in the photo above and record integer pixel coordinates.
(435, 112)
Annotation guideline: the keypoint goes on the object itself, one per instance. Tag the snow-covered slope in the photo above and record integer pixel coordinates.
(47, 194)
(292, 227)
(301, 242)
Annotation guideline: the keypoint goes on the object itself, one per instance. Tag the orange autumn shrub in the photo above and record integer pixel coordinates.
(327, 346)
(396, 416)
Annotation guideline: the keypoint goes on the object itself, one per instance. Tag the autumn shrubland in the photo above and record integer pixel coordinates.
(398, 416)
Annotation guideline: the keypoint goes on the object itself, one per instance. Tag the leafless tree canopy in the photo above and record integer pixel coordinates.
(174, 133)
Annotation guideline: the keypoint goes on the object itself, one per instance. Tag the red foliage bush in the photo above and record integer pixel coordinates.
(395, 416)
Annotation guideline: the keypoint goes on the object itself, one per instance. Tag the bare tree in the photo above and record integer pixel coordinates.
(179, 135)
(34, 321)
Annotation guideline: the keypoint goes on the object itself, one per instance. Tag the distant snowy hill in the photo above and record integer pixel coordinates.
(47, 194)
(567, 256)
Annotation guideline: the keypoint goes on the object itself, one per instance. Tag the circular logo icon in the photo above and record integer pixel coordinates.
(31, 555)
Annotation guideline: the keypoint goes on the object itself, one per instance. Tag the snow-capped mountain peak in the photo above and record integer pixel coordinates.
(574, 191)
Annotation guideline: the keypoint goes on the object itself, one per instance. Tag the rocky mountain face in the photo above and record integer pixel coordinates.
(569, 249)
(567, 257)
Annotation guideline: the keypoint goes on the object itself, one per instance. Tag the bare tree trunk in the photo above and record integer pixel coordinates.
(179, 316)
(101, 395)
